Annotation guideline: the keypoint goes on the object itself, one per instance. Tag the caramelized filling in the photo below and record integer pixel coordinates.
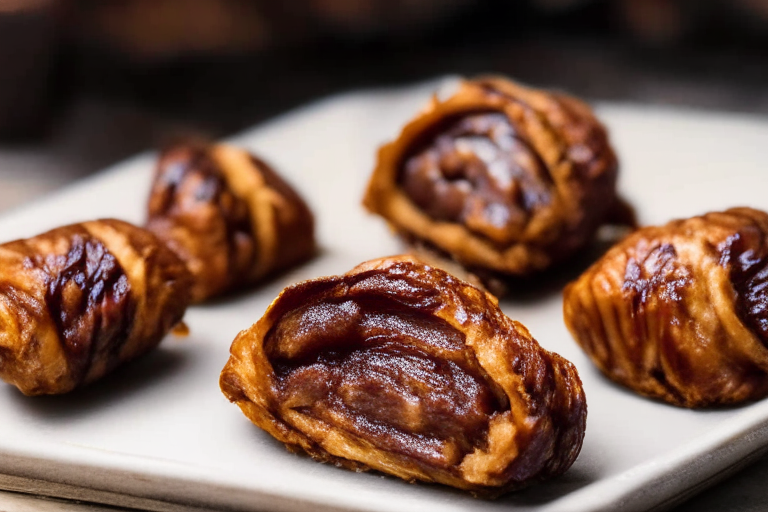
(190, 180)
(657, 276)
(746, 253)
(194, 194)
(391, 374)
(89, 299)
(478, 171)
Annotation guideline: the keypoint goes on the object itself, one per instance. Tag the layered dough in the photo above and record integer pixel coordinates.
(680, 312)
(399, 367)
(80, 300)
(500, 177)
(229, 216)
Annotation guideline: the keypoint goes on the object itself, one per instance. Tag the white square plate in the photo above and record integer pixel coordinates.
(159, 432)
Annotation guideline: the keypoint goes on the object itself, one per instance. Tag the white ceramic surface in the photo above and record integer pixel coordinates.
(160, 429)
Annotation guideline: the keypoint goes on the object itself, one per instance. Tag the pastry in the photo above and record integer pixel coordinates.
(500, 177)
(680, 312)
(80, 300)
(399, 367)
(229, 216)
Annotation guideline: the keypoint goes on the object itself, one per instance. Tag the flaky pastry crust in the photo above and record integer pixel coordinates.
(680, 312)
(399, 367)
(228, 215)
(80, 300)
(499, 176)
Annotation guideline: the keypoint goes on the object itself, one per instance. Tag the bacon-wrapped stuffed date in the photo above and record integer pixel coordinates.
(228, 215)
(400, 367)
(501, 177)
(680, 312)
(79, 300)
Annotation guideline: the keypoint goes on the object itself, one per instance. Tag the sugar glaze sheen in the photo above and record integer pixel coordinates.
(400, 367)
(680, 312)
(503, 179)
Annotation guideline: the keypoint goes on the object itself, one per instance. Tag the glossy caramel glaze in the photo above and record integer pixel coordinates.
(400, 367)
(228, 215)
(680, 312)
(476, 171)
(77, 301)
(89, 299)
(500, 177)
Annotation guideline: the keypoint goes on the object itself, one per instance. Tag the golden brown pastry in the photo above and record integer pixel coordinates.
(499, 176)
(228, 215)
(400, 367)
(80, 300)
(680, 312)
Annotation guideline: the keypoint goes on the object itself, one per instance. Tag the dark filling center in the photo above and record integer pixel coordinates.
(476, 170)
(748, 257)
(399, 378)
(89, 299)
(193, 190)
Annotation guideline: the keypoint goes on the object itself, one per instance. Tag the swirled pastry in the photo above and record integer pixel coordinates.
(80, 300)
(229, 216)
(400, 367)
(499, 176)
(680, 312)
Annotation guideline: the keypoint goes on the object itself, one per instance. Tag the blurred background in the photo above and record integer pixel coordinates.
(92, 81)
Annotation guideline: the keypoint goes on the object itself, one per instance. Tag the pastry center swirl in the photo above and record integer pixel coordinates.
(372, 367)
(478, 171)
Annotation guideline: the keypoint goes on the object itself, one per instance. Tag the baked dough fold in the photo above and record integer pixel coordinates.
(80, 300)
(232, 218)
(680, 312)
(500, 177)
(399, 367)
